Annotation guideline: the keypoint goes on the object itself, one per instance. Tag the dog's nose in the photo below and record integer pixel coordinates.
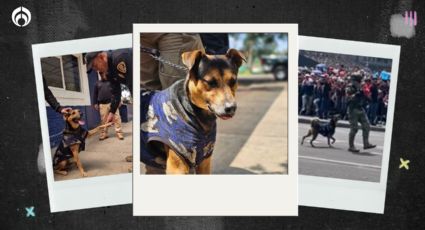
(230, 108)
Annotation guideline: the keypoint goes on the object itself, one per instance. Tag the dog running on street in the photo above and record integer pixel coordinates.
(325, 129)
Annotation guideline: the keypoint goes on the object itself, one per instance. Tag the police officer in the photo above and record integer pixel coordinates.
(356, 112)
(117, 66)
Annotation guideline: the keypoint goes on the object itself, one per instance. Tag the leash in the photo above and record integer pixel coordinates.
(155, 54)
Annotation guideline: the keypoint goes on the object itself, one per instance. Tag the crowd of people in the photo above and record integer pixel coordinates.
(322, 92)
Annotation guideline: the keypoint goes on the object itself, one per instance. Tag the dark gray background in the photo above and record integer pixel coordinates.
(363, 20)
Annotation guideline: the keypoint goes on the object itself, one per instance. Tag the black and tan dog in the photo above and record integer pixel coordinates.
(73, 141)
(325, 129)
(178, 128)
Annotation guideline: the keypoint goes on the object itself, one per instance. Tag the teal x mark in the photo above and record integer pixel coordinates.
(30, 211)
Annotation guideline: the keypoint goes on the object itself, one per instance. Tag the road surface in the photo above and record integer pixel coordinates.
(337, 162)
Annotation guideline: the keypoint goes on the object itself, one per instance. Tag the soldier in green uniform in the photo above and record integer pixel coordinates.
(356, 113)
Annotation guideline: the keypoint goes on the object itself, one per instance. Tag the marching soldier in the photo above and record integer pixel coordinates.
(356, 113)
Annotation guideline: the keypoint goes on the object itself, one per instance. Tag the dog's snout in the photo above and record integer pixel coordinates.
(230, 108)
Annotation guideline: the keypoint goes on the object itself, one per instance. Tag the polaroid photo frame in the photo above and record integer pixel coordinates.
(345, 194)
(221, 195)
(89, 192)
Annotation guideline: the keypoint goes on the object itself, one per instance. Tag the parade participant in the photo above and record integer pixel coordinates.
(356, 113)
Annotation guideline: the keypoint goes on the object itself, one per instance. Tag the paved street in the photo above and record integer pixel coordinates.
(105, 157)
(337, 162)
(254, 141)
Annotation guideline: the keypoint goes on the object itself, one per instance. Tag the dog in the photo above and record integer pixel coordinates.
(327, 130)
(178, 124)
(73, 141)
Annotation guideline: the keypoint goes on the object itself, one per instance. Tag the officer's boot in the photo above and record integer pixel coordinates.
(351, 142)
(366, 144)
(120, 136)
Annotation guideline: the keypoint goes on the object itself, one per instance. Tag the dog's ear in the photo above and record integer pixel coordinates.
(66, 115)
(191, 59)
(235, 57)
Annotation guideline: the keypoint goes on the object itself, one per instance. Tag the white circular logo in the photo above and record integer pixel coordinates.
(21, 16)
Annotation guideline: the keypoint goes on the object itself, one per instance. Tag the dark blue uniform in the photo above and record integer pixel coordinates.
(70, 137)
(120, 71)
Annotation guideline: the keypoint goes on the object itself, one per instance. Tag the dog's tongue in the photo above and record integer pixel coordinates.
(225, 117)
(81, 122)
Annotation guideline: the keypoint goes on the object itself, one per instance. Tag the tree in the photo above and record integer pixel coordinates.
(257, 44)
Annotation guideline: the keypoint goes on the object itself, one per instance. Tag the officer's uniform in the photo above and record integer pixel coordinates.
(156, 75)
(356, 113)
(102, 97)
(120, 71)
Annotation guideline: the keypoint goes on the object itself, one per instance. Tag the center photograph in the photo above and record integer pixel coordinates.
(213, 103)
(211, 119)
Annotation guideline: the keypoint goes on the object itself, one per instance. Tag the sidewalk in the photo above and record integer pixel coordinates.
(341, 123)
(266, 150)
(105, 157)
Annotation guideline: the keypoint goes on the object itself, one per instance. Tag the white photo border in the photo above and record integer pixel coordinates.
(345, 194)
(91, 192)
(222, 195)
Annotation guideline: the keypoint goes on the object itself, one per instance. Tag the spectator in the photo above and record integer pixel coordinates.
(373, 106)
(325, 89)
(322, 95)
(307, 89)
(317, 97)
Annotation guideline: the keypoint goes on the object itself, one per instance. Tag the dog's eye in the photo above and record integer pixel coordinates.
(231, 82)
(212, 83)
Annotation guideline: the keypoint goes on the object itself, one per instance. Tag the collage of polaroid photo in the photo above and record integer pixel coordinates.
(216, 120)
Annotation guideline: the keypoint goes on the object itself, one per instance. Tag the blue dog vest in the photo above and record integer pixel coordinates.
(70, 137)
(325, 129)
(164, 119)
